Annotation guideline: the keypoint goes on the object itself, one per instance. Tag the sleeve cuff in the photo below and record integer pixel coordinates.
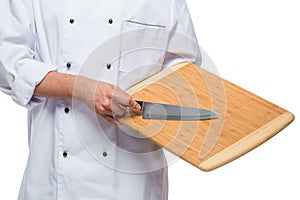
(31, 73)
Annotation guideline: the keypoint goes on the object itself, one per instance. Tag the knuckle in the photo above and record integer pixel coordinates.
(110, 94)
(99, 112)
(106, 104)
(100, 109)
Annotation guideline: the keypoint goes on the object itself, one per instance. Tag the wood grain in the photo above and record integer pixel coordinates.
(244, 121)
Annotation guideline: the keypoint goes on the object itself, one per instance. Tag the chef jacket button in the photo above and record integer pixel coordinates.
(72, 21)
(108, 66)
(104, 154)
(67, 110)
(110, 21)
(65, 154)
(69, 65)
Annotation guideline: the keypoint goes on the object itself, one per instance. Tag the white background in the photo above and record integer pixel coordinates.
(254, 44)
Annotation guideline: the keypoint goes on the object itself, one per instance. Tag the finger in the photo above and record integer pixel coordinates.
(110, 119)
(133, 104)
(104, 111)
(118, 110)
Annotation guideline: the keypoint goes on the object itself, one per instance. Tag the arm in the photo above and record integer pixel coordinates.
(103, 98)
(24, 78)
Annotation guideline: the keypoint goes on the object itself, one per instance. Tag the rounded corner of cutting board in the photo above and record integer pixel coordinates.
(292, 116)
(248, 143)
(206, 168)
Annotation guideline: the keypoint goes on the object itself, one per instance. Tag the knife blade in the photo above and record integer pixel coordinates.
(160, 111)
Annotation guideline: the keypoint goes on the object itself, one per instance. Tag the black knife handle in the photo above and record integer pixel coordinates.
(141, 103)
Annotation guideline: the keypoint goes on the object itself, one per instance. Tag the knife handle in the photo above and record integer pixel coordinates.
(141, 103)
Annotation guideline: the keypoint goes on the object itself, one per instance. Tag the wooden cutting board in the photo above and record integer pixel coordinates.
(244, 120)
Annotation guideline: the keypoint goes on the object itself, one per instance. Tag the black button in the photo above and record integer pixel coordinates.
(108, 66)
(65, 154)
(67, 110)
(69, 65)
(104, 154)
(110, 21)
(72, 21)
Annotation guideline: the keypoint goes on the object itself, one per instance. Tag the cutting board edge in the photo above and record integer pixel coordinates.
(142, 84)
(248, 143)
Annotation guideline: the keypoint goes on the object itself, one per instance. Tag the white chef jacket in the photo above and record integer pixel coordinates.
(41, 36)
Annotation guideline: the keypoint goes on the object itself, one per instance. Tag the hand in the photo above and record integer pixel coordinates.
(107, 100)
(111, 101)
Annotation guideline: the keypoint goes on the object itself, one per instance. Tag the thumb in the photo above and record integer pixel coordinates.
(133, 104)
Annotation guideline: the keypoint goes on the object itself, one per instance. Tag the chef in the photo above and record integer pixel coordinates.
(43, 47)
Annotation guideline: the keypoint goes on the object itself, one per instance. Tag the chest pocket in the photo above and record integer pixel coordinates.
(143, 48)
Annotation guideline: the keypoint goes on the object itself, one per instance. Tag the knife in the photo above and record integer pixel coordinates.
(160, 111)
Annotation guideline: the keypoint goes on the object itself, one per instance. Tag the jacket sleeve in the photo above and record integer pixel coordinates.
(19, 71)
(183, 44)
